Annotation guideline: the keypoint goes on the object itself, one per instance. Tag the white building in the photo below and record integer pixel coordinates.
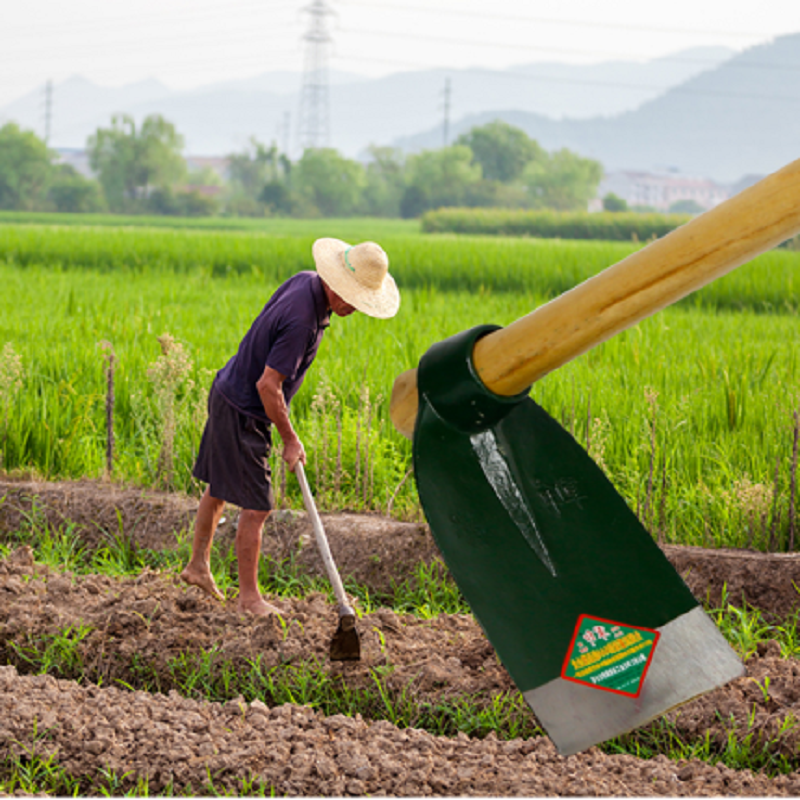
(76, 158)
(660, 191)
(220, 165)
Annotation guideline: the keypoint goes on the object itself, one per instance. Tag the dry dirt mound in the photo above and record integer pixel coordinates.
(371, 549)
(98, 510)
(178, 742)
(767, 581)
(139, 624)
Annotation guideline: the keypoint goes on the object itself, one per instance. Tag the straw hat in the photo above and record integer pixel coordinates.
(359, 274)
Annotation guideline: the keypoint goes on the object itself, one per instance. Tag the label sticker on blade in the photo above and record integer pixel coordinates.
(609, 655)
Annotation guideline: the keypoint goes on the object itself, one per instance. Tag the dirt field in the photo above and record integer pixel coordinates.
(180, 741)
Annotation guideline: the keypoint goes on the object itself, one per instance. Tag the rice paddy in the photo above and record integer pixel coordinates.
(692, 413)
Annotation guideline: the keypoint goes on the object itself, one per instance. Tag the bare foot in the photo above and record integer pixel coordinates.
(202, 579)
(258, 607)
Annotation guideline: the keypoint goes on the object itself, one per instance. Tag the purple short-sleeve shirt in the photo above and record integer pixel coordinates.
(285, 336)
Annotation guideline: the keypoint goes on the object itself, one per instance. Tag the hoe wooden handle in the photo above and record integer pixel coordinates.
(693, 255)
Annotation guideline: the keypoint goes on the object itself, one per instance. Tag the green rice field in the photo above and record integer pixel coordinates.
(693, 413)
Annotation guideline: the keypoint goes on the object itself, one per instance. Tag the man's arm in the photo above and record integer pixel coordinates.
(270, 390)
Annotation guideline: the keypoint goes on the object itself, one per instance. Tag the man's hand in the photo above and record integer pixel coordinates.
(270, 390)
(294, 452)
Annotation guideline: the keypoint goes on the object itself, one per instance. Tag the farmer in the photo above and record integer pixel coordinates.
(252, 392)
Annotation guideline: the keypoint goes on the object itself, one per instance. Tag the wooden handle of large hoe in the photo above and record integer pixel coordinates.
(707, 247)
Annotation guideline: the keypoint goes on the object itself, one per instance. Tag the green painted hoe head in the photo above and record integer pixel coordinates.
(596, 628)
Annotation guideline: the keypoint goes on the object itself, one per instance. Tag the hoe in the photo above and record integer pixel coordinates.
(596, 628)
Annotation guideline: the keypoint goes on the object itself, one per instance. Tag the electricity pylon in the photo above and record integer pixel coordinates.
(314, 127)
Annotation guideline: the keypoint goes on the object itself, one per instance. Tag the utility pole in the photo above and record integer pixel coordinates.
(287, 118)
(446, 125)
(48, 110)
(282, 133)
(314, 127)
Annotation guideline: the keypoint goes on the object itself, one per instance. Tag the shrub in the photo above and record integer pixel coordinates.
(612, 202)
(614, 226)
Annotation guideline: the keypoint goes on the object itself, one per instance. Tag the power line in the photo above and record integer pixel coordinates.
(184, 66)
(583, 82)
(101, 25)
(48, 110)
(555, 21)
(527, 47)
(446, 120)
(210, 38)
(12, 57)
(214, 37)
(188, 67)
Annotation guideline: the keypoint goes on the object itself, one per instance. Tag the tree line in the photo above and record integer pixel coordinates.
(141, 169)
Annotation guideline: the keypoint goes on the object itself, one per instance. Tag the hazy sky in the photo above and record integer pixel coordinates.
(188, 43)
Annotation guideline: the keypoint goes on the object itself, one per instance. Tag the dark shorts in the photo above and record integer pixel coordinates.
(234, 456)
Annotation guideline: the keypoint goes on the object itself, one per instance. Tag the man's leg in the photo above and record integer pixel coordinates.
(198, 570)
(248, 552)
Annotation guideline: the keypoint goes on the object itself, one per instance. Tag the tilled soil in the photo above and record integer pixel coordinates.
(373, 550)
(144, 622)
(181, 742)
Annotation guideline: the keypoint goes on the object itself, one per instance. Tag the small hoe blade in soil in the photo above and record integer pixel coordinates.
(346, 643)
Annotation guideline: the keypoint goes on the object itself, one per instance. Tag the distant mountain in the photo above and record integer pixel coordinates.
(280, 82)
(78, 104)
(604, 89)
(218, 119)
(741, 117)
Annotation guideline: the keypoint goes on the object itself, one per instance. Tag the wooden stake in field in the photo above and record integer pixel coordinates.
(594, 625)
(110, 358)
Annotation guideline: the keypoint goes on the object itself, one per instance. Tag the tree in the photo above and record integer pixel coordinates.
(132, 162)
(564, 181)
(413, 203)
(439, 178)
(260, 180)
(182, 203)
(254, 167)
(196, 204)
(204, 176)
(72, 192)
(329, 183)
(612, 202)
(687, 206)
(493, 194)
(25, 168)
(277, 198)
(502, 150)
(385, 182)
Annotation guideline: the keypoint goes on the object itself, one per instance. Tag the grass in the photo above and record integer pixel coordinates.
(690, 412)
(34, 772)
(211, 676)
(663, 738)
(208, 676)
(344, 228)
(431, 592)
(542, 267)
(745, 627)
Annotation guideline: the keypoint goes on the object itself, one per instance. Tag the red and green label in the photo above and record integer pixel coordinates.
(609, 655)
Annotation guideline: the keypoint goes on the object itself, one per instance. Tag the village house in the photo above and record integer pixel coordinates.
(661, 191)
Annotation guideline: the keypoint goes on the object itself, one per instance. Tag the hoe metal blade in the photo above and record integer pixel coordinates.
(596, 628)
